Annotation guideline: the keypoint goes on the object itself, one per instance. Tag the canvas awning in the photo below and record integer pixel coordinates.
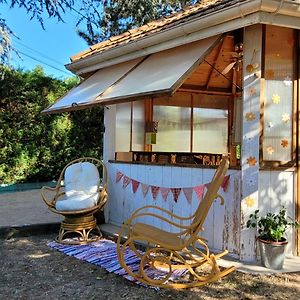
(157, 74)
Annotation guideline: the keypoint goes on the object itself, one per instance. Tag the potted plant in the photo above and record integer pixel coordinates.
(271, 236)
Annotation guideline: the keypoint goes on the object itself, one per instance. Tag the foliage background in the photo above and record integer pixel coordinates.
(33, 146)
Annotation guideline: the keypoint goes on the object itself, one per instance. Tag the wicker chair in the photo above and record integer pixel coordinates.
(171, 251)
(78, 195)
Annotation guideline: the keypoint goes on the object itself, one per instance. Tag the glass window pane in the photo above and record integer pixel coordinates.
(123, 113)
(210, 130)
(138, 126)
(173, 132)
(278, 98)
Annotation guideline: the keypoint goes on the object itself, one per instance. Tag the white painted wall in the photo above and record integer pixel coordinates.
(223, 222)
(276, 189)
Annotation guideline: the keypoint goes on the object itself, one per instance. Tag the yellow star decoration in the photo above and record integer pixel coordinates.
(250, 116)
(286, 118)
(249, 201)
(276, 98)
(284, 143)
(251, 91)
(251, 161)
(270, 150)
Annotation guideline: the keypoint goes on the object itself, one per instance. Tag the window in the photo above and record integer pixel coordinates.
(278, 95)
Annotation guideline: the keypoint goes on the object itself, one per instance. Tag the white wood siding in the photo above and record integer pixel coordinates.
(222, 226)
(276, 189)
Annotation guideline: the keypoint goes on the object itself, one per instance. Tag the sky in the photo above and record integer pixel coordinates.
(52, 46)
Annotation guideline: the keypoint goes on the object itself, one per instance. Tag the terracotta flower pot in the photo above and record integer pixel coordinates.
(272, 253)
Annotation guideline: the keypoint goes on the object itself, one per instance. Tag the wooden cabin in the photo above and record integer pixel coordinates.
(219, 77)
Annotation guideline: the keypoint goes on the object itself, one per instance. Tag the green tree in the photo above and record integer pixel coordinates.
(33, 146)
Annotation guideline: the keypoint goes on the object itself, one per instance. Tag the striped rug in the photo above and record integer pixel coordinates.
(103, 253)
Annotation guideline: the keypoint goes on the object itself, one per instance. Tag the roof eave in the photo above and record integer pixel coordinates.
(229, 18)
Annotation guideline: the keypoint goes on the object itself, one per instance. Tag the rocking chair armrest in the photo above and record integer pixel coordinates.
(129, 221)
(221, 199)
(139, 210)
(50, 203)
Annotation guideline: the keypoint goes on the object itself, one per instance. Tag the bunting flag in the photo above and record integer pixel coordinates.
(164, 192)
(176, 193)
(119, 175)
(135, 185)
(188, 192)
(145, 188)
(154, 190)
(126, 181)
(225, 183)
(199, 190)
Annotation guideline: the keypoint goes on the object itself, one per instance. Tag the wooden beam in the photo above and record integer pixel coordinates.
(202, 90)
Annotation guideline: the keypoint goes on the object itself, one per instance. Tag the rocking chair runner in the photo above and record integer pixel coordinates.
(77, 196)
(173, 251)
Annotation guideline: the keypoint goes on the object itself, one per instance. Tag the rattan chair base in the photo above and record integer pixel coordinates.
(78, 230)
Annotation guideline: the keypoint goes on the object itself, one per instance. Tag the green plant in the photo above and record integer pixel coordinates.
(271, 227)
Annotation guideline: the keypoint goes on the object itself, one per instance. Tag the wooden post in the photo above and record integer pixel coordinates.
(250, 138)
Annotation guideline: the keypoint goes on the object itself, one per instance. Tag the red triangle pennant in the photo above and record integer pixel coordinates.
(199, 190)
(225, 183)
(119, 175)
(176, 193)
(126, 181)
(145, 189)
(135, 185)
(188, 192)
(164, 192)
(154, 190)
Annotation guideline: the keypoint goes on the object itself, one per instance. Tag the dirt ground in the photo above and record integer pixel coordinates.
(29, 269)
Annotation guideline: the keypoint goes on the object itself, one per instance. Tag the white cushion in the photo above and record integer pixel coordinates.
(81, 179)
(77, 202)
(81, 187)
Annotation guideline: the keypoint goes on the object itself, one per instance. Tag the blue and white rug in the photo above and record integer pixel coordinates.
(103, 253)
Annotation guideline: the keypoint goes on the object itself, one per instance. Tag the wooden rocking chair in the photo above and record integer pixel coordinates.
(174, 251)
(78, 195)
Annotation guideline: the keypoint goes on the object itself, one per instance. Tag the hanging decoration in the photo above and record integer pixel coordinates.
(119, 175)
(145, 189)
(270, 74)
(276, 99)
(135, 185)
(284, 143)
(126, 181)
(164, 192)
(176, 193)
(250, 116)
(270, 126)
(251, 182)
(251, 91)
(286, 118)
(154, 190)
(251, 161)
(287, 81)
(188, 191)
(249, 202)
(253, 66)
(270, 150)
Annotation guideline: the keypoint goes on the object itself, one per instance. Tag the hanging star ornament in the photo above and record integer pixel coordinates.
(251, 161)
(287, 81)
(270, 150)
(270, 126)
(251, 91)
(284, 143)
(275, 98)
(250, 116)
(286, 118)
(249, 201)
(270, 74)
